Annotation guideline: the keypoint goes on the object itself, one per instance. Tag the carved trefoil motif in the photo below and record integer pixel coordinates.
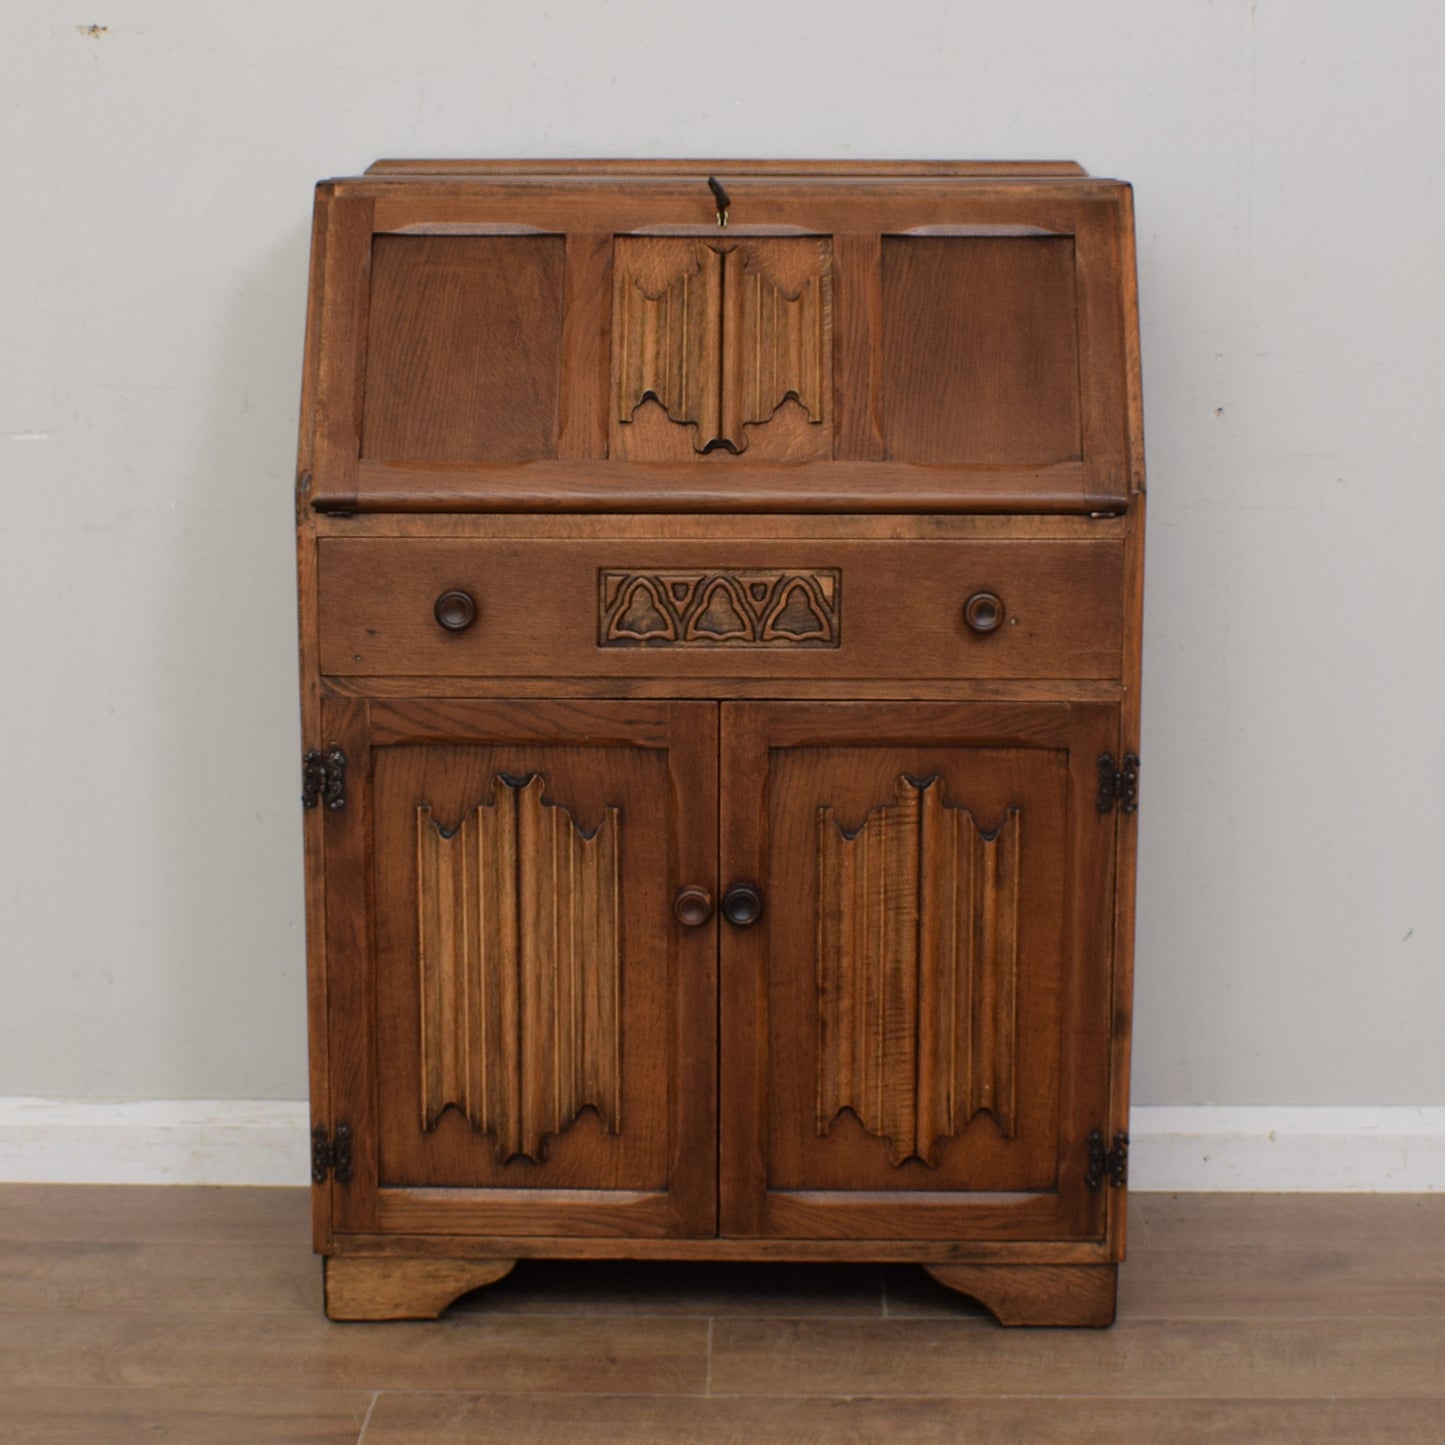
(726, 607)
(519, 938)
(918, 959)
(723, 341)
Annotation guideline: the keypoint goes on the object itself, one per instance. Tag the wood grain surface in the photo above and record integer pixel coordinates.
(192, 1315)
(903, 1041)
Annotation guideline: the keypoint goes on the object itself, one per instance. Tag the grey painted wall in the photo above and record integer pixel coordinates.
(1289, 159)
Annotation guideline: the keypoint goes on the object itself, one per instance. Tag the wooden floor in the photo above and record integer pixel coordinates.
(194, 1315)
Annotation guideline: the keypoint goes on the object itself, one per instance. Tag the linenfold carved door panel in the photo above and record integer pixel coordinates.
(519, 967)
(919, 1020)
(536, 1018)
(722, 346)
(917, 970)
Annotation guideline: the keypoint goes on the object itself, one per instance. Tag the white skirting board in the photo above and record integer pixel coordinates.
(1172, 1149)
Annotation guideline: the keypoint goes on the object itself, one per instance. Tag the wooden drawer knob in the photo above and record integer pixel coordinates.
(692, 907)
(983, 612)
(456, 610)
(742, 905)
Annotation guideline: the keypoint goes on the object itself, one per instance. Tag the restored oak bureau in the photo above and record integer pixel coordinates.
(720, 603)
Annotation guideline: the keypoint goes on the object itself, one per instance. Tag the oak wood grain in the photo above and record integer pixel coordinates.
(586, 334)
(724, 688)
(541, 606)
(464, 350)
(1063, 1296)
(404, 1289)
(893, 527)
(628, 1239)
(980, 350)
(674, 464)
(918, 963)
(786, 1176)
(584, 1097)
(516, 905)
(718, 482)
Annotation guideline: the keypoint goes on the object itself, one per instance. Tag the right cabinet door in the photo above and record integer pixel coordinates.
(915, 1032)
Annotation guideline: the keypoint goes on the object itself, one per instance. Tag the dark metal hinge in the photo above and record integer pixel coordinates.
(323, 778)
(1118, 787)
(331, 1156)
(1111, 1164)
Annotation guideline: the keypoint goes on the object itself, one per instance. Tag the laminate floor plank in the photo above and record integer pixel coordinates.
(194, 1315)
(1301, 1256)
(1302, 1284)
(140, 1214)
(424, 1419)
(258, 1351)
(168, 1278)
(1197, 1281)
(1194, 1358)
(1391, 1221)
(111, 1416)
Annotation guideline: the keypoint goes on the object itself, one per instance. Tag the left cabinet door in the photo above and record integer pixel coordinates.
(521, 1034)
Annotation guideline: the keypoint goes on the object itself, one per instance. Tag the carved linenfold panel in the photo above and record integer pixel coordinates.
(732, 607)
(721, 333)
(669, 346)
(772, 344)
(518, 927)
(917, 971)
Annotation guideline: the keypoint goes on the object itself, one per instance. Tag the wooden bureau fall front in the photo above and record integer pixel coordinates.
(720, 592)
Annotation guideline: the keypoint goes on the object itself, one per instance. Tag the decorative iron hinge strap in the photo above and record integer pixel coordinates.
(1111, 1164)
(331, 1157)
(323, 778)
(1118, 786)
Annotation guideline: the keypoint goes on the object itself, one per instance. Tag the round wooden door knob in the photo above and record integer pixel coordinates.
(742, 905)
(984, 612)
(692, 907)
(456, 610)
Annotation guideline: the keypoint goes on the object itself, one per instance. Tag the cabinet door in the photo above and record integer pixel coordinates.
(915, 1033)
(521, 1033)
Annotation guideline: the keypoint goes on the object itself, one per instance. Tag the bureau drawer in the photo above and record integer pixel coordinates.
(815, 609)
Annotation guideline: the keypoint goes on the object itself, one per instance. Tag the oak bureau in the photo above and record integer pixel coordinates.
(720, 592)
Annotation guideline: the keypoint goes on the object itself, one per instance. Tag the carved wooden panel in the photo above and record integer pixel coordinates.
(918, 920)
(720, 334)
(520, 957)
(737, 607)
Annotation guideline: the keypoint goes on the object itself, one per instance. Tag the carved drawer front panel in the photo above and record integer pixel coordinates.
(822, 609)
(732, 607)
